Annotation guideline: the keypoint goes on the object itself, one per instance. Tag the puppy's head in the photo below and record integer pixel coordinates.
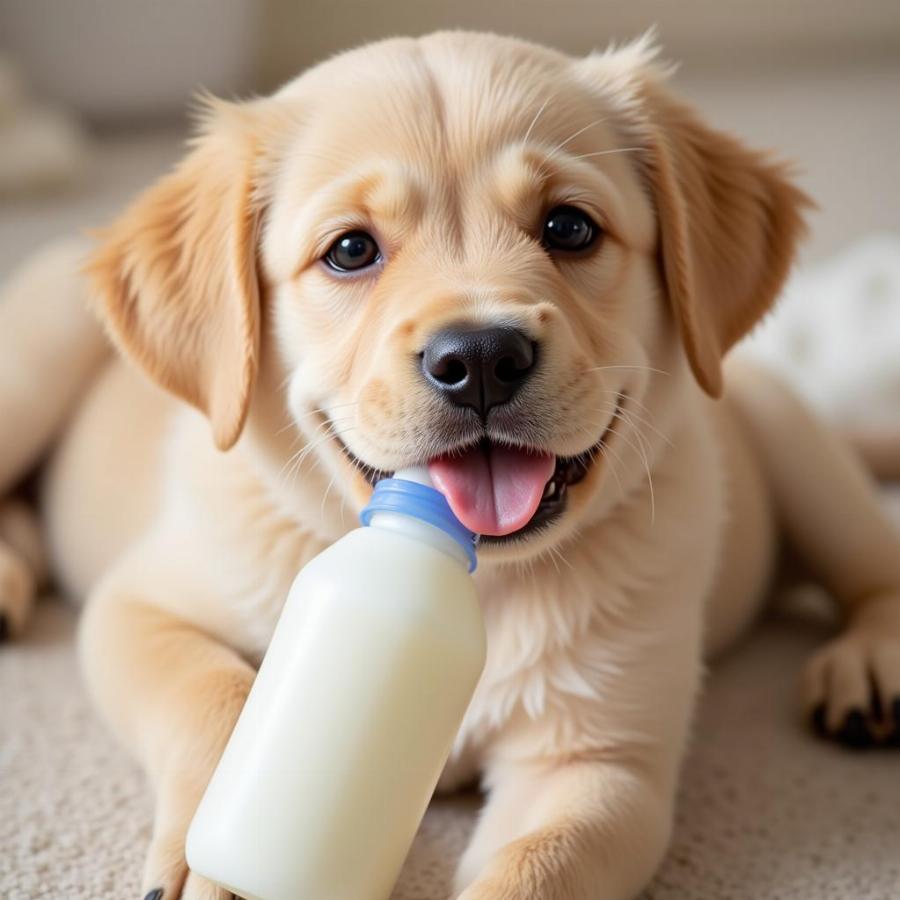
(461, 250)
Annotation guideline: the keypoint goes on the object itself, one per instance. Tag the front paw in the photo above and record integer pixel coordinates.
(540, 866)
(851, 687)
(166, 874)
(193, 887)
(493, 887)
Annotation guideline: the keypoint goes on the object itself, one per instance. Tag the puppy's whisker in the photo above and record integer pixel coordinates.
(633, 419)
(322, 409)
(316, 460)
(552, 558)
(608, 152)
(556, 554)
(642, 456)
(325, 497)
(635, 368)
(572, 137)
(638, 434)
(611, 456)
(326, 411)
(534, 121)
(296, 460)
(601, 450)
(307, 414)
(630, 417)
(286, 427)
(331, 433)
(335, 426)
(632, 402)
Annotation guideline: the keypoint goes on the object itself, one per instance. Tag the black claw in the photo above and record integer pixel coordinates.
(875, 704)
(893, 738)
(4, 628)
(155, 894)
(855, 732)
(817, 721)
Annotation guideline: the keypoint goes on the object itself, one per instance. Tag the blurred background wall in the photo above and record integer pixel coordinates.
(818, 79)
(709, 33)
(128, 58)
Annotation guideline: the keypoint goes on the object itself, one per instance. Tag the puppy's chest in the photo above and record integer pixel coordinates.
(259, 553)
(558, 641)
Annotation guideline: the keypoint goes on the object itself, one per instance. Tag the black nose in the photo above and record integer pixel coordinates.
(481, 368)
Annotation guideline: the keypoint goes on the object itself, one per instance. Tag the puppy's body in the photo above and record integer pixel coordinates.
(596, 624)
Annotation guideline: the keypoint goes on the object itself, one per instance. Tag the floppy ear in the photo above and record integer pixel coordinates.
(176, 280)
(729, 221)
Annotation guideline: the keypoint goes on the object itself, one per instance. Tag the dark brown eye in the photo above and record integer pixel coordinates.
(569, 228)
(353, 251)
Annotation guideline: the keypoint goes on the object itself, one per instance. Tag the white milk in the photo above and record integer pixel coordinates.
(334, 758)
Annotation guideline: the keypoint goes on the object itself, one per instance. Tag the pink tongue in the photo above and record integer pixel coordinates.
(493, 490)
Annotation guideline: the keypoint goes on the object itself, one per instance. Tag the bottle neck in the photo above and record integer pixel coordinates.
(418, 530)
(416, 508)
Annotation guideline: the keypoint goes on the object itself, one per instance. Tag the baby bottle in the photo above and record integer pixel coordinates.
(343, 737)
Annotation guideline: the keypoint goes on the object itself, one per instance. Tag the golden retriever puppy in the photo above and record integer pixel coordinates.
(523, 269)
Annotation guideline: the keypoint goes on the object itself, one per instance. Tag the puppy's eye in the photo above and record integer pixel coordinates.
(353, 251)
(569, 228)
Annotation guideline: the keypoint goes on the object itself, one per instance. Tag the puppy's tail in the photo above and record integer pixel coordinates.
(827, 500)
(50, 348)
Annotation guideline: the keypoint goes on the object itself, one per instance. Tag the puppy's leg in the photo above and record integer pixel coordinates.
(830, 508)
(23, 565)
(50, 345)
(581, 795)
(173, 693)
(582, 830)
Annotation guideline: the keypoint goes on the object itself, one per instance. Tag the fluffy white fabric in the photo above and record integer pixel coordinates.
(836, 334)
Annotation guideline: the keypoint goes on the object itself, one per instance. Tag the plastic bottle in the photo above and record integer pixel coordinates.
(337, 751)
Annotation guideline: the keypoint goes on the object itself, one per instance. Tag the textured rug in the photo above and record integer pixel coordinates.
(765, 810)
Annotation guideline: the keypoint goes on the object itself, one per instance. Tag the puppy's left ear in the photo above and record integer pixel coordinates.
(175, 277)
(730, 220)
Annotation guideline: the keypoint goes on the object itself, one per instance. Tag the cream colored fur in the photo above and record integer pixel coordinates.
(449, 148)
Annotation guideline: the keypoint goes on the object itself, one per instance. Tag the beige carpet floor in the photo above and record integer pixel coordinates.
(766, 811)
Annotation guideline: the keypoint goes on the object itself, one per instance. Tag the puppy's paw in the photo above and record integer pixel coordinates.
(194, 888)
(492, 887)
(17, 593)
(507, 886)
(851, 687)
(534, 867)
(166, 873)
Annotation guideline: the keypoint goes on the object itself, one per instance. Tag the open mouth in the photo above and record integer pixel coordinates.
(502, 492)
(567, 471)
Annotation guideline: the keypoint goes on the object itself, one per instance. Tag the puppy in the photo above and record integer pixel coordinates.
(524, 269)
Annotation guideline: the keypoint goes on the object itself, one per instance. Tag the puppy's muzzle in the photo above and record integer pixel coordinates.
(479, 368)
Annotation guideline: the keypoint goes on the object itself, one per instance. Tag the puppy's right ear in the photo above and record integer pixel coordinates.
(176, 277)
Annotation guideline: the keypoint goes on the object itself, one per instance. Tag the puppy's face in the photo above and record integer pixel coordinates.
(481, 256)
(462, 274)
